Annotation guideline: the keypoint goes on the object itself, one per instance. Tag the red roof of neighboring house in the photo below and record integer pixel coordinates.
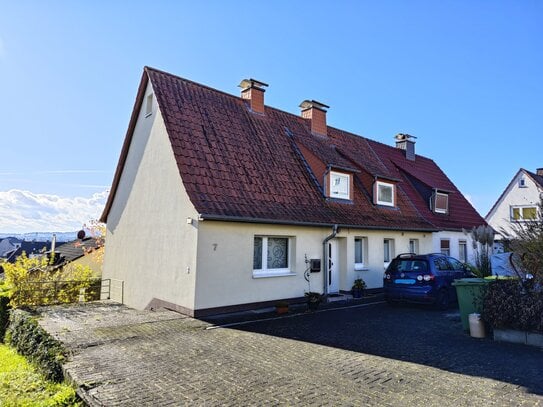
(245, 166)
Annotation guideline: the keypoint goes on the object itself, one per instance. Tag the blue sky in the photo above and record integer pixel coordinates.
(465, 77)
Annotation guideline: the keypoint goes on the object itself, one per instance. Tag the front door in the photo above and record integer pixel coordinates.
(332, 273)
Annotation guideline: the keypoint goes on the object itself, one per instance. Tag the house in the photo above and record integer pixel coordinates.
(31, 249)
(221, 203)
(517, 203)
(8, 245)
(87, 251)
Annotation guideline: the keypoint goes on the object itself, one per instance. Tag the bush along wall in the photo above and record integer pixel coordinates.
(33, 342)
(507, 305)
(4, 316)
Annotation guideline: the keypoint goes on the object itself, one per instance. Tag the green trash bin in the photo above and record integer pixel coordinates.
(470, 293)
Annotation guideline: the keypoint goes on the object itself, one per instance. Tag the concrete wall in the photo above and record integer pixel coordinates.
(514, 196)
(149, 244)
(225, 261)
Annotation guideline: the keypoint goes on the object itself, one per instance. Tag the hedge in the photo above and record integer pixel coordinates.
(507, 305)
(33, 342)
(4, 316)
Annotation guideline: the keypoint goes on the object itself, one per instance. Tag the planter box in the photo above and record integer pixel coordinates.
(523, 337)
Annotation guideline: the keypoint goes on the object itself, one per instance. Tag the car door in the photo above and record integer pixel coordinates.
(458, 271)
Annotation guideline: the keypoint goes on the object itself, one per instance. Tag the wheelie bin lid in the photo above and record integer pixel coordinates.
(471, 281)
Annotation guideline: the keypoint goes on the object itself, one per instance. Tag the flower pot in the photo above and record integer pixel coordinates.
(356, 292)
(281, 310)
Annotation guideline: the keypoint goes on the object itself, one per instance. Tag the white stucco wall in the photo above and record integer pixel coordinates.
(515, 195)
(454, 240)
(225, 261)
(149, 244)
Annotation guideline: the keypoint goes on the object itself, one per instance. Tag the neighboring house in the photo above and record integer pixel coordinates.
(8, 245)
(87, 252)
(518, 202)
(31, 249)
(222, 203)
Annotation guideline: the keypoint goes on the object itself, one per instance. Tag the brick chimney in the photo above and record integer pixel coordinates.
(253, 91)
(406, 142)
(316, 113)
(539, 172)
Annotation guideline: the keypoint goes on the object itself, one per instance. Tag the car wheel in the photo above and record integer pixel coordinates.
(443, 300)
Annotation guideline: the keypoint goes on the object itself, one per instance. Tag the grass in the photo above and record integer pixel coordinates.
(22, 385)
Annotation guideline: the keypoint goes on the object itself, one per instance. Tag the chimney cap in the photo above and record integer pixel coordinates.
(252, 83)
(308, 104)
(404, 137)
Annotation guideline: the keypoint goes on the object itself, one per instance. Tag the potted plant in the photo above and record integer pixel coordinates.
(313, 300)
(281, 307)
(358, 288)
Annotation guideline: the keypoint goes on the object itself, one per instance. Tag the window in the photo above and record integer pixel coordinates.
(340, 185)
(385, 193)
(522, 183)
(388, 245)
(360, 252)
(441, 263)
(445, 247)
(455, 264)
(149, 105)
(520, 213)
(271, 256)
(414, 246)
(441, 202)
(463, 251)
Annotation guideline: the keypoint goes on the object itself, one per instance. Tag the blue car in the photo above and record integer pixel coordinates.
(424, 278)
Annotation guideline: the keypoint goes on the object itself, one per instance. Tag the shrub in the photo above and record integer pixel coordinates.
(32, 281)
(482, 241)
(33, 342)
(508, 305)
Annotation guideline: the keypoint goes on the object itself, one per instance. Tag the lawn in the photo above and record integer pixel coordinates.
(22, 385)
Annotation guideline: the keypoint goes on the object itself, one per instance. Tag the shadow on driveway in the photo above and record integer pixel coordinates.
(413, 334)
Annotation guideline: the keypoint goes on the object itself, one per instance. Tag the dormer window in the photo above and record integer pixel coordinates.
(340, 185)
(384, 193)
(440, 202)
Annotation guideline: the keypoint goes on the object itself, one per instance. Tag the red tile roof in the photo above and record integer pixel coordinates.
(243, 166)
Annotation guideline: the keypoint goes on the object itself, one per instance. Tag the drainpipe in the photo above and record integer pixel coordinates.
(325, 257)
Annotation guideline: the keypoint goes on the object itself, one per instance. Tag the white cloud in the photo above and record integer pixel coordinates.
(25, 211)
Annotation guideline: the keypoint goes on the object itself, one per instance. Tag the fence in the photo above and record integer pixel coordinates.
(69, 291)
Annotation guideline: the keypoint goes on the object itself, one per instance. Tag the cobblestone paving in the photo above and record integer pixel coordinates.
(371, 355)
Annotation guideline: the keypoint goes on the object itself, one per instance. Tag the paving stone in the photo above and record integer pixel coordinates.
(358, 356)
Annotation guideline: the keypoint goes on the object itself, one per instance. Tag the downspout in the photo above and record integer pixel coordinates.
(325, 257)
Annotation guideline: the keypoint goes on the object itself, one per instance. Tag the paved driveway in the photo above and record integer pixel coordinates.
(372, 355)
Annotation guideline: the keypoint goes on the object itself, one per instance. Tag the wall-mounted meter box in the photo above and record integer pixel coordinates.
(315, 265)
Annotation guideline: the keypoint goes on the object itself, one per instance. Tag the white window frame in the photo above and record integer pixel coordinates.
(385, 184)
(358, 266)
(269, 272)
(414, 246)
(441, 210)
(463, 251)
(520, 208)
(388, 251)
(332, 176)
(149, 105)
(441, 247)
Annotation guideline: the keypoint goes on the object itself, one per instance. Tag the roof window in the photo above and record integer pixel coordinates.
(384, 193)
(340, 185)
(440, 202)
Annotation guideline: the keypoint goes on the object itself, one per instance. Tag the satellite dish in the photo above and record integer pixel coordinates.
(81, 234)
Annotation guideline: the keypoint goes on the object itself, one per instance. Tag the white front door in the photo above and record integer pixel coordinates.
(332, 274)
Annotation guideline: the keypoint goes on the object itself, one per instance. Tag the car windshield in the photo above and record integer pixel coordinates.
(408, 265)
